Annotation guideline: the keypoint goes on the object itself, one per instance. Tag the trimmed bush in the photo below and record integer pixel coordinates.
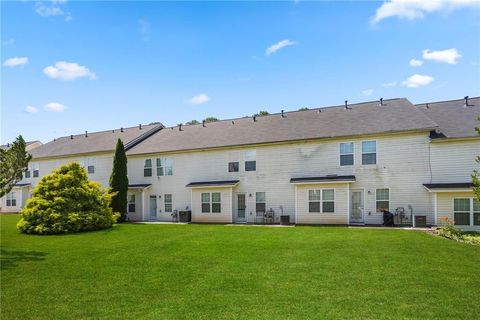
(66, 201)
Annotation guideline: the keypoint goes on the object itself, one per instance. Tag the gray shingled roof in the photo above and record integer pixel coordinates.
(454, 119)
(365, 118)
(27, 143)
(94, 142)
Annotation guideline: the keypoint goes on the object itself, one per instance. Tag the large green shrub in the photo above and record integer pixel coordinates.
(66, 201)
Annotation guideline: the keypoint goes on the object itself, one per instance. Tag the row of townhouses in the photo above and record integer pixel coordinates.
(333, 165)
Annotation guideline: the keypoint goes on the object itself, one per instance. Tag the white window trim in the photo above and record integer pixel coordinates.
(165, 203)
(321, 201)
(10, 197)
(163, 165)
(376, 152)
(210, 202)
(145, 167)
(340, 153)
(471, 220)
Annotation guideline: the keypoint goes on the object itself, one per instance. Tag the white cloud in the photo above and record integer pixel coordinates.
(52, 9)
(55, 107)
(15, 62)
(415, 63)
(8, 42)
(417, 80)
(31, 109)
(68, 71)
(416, 9)
(199, 99)
(277, 46)
(367, 92)
(446, 56)
(390, 84)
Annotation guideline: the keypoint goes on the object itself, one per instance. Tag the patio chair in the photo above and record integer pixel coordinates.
(269, 216)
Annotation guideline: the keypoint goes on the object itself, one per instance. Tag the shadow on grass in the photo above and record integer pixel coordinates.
(10, 258)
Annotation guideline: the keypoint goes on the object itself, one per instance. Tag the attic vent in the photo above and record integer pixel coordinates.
(233, 122)
(319, 110)
(346, 105)
(121, 129)
(203, 123)
(86, 134)
(140, 126)
(254, 118)
(381, 103)
(283, 116)
(466, 102)
(179, 127)
(71, 137)
(427, 106)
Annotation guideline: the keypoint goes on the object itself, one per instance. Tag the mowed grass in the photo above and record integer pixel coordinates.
(138, 271)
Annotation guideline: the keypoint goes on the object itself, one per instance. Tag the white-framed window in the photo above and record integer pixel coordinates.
(382, 199)
(27, 173)
(89, 165)
(466, 211)
(251, 160)
(147, 168)
(36, 169)
(164, 167)
(12, 199)
(131, 203)
(260, 202)
(233, 166)
(369, 152)
(346, 154)
(167, 200)
(321, 201)
(328, 200)
(211, 202)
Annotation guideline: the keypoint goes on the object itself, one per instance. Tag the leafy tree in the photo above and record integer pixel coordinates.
(210, 119)
(192, 122)
(13, 162)
(152, 123)
(66, 201)
(261, 113)
(475, 174)
(119, 182)
(303, 109)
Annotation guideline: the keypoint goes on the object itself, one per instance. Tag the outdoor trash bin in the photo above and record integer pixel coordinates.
(185, 216)
(284, 220)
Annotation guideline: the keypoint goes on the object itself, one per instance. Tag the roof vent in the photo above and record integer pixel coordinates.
(346, 105)
(121, 129)
(233, 122)
(427, 106)
(140, 126)
(254, 118)
(179, 127)
(54, 139)
(381, 103)
(283, 116)
(466, 102)
(86, 134)
(71, 137)
(113, 131)
(319, 110)
(203, 123)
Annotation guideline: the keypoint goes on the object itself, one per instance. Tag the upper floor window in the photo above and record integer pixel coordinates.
(164, 167)
(12, 199)
(250, 165)
(35, 169)
(91, 165)
(382, 199)
(131, 203)
(147, 168)
(167, 199)
(250, 160)
(346, 154)
(369, 152)
(27, 173)
(260, 202)
(233, 167)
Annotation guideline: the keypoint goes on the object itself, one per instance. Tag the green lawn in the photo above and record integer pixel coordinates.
(210, 272)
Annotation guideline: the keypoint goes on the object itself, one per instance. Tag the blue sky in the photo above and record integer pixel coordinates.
(68, 67)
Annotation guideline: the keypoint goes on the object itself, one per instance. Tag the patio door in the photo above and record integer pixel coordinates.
(356, 206)
(240, 208)
(153, 207)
